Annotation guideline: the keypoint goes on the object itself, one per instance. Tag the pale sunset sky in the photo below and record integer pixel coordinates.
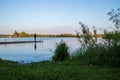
(54, 16)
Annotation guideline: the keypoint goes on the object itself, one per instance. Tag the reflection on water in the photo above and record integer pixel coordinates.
(35, 46)
(33, 52)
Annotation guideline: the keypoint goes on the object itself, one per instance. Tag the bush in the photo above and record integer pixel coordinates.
(61, 52)
(98, 55)
(102, 54)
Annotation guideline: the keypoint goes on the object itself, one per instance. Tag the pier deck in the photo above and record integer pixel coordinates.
(15, 42)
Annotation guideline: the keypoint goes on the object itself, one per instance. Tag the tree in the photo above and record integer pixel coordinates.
(115, 17)
(23, 34)
(86, 34)
(15, 34)
(113, 37)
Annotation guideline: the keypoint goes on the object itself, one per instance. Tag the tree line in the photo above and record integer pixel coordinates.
(25, 34)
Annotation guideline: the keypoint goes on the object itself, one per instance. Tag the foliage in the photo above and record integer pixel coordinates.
(85, 33)
(113, 38)
(100, 54)
(61, 52)
(16, 34)
(24, 34)
(115, 17)
(86, 38)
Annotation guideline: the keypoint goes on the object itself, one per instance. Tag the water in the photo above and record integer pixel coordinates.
(26, 52)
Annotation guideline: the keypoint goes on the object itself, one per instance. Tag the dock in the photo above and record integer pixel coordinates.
(16, 42)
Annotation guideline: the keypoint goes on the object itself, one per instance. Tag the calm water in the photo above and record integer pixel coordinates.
(26, 52)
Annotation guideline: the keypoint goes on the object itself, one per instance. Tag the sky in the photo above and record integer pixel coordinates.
(54, 16)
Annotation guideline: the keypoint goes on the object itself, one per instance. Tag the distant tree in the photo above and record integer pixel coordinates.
(15, 34)
(23, 34)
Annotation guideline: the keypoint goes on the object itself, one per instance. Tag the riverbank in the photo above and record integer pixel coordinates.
(56, 71)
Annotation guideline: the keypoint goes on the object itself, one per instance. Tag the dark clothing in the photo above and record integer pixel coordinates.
(35, 35)
(35, 41)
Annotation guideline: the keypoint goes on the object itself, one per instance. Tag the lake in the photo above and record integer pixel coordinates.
(27, 52)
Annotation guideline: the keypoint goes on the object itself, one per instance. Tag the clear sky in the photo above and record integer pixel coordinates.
(54, 16)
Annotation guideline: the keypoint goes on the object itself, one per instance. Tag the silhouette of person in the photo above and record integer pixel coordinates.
(35, 41)
(35, 37)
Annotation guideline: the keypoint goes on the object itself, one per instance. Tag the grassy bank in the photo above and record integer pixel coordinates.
(56, 71)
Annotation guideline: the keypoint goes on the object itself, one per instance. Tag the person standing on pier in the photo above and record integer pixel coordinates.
(35, 37)
(35, 41)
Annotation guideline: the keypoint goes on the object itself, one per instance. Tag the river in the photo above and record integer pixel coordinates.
(27, 52)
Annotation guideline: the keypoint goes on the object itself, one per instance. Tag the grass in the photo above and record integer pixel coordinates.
(56, 71)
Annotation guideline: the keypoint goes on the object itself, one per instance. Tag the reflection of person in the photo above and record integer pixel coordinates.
(35, 37)
(35, 46)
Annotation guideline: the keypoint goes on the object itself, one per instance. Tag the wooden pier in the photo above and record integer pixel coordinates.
(16, 42)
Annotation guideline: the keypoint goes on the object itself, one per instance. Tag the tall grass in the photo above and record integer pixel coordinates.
(92, 53)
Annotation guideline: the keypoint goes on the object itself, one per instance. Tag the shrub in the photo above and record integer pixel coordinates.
(61, 52)
(94, 53)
